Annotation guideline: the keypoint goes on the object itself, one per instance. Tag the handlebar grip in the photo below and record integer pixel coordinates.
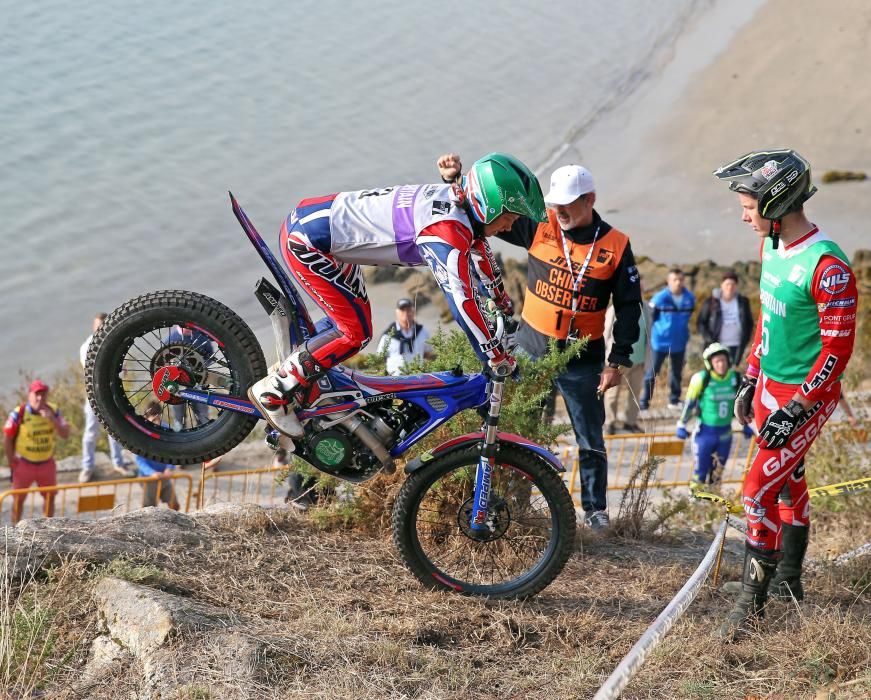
(500, 326)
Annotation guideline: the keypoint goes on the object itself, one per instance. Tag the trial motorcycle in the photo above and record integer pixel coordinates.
(484, 514)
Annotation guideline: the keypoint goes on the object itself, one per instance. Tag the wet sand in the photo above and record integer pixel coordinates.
(793, 74)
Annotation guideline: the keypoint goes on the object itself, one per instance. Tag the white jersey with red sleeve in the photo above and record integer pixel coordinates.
(410, 225)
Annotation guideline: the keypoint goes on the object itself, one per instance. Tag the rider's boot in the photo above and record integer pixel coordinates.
(787, 580)
(279, 395)
(759, 566)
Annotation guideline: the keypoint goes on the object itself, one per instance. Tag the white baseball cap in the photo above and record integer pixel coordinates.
(568, 183)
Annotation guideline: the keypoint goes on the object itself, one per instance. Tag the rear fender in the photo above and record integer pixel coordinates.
(459, 443)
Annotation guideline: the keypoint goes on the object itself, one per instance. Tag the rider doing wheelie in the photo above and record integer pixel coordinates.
(325, 240)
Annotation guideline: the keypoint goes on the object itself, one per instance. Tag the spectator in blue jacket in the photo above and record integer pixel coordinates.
(669, 333)
(161, 486)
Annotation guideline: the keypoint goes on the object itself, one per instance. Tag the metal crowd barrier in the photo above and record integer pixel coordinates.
(241, 486)
(115, 495)
(627, 451)
(123, 495)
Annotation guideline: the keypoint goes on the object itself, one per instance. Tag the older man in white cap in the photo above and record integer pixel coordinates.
(577, 264)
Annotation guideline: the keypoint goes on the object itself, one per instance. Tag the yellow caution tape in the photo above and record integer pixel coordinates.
(842, 489)
(733, 508)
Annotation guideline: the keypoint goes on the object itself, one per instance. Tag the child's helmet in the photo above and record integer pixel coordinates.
(712, 350)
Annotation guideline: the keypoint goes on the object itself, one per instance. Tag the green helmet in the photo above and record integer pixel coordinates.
(780, 179)
(715, 349)
(498, 183)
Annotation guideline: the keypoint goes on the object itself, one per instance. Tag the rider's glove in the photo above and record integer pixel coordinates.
(748, 432)
(780, 425)
(503, 366)
(509, 337)
(744, 400)
(681, 432)
(506, 306)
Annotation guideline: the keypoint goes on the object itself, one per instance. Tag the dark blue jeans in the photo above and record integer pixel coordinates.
(587, 412)
(675, 369)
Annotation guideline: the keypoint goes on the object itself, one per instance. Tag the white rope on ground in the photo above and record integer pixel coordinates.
(632, 662)
(858, 552)
(737, 523)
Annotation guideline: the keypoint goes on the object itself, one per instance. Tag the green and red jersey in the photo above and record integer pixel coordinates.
(807, 323)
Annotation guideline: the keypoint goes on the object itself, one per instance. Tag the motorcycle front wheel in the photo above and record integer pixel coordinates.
(204, 343)
(530, 534)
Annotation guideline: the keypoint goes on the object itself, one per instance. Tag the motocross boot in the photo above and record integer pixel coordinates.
(787, 580)
(759, 566)
(279, 395)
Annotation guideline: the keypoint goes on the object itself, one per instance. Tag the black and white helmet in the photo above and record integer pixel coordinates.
(779, 179)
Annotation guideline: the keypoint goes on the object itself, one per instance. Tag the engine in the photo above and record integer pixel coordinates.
(355, 445)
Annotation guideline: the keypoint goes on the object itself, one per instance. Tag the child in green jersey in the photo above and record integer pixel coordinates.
(711, 394)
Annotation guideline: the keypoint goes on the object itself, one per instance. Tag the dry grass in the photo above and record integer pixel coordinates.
(335, 615)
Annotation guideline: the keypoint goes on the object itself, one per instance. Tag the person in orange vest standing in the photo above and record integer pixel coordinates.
(577, 264)
(29, 442)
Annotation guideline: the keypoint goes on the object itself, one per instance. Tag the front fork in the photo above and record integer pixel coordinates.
(480, 521)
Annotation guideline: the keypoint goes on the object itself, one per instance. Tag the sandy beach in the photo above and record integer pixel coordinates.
(794, 74)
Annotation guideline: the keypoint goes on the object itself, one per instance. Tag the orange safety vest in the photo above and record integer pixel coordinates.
(547, 306)
(35, 438)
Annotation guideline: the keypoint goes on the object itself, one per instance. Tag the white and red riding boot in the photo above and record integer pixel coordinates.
(278, 395)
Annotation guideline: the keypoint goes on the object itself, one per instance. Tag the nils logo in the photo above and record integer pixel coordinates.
(834, 279)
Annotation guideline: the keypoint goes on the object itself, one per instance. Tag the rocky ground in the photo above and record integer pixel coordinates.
(246, 602)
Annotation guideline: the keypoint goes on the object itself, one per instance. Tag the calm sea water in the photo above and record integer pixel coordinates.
(124, 125)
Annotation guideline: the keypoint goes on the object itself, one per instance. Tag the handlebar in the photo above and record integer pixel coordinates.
(500, 325)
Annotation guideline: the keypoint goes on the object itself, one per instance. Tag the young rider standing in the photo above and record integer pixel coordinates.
(325, 240)
(712, 392)
(804, 339)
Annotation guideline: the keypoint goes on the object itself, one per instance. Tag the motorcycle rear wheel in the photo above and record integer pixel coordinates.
(532, 525)
(213, 346)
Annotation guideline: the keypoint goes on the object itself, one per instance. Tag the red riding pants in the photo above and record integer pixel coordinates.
(338, 288)
(775, 490)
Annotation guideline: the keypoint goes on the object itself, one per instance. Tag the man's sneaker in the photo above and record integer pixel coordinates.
(122, 471)
(298, 505)
(675, 405)
(598, 520)
(633, 428)
(85, 475)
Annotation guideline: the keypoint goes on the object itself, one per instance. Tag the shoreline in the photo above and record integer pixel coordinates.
(653, 147)
(697, 41)
(691, 119)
